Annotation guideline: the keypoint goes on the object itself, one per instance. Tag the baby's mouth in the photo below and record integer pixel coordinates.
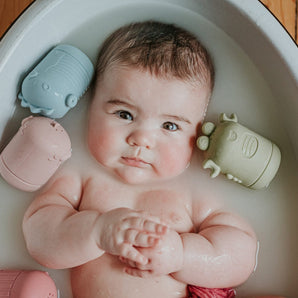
(135, 162)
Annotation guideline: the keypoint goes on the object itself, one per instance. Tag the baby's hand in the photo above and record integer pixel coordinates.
(164, 258)
(121, 229)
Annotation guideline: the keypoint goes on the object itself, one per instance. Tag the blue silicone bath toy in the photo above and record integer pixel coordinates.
(55, 85)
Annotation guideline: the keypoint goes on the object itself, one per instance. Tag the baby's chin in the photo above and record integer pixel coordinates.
(142, 178)
(134, 178)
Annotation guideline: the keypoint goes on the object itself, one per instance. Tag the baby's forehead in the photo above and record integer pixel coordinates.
(132, 79)
(192, 81)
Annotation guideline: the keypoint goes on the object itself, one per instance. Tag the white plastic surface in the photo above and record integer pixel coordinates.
(257, 78)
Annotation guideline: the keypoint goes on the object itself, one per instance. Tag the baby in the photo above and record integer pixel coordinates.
(131, 226)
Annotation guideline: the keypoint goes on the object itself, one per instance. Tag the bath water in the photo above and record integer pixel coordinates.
(239, 89)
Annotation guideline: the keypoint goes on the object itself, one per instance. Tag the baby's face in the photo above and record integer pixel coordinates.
(143, 128)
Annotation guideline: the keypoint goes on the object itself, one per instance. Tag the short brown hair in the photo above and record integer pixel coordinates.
(163, 49)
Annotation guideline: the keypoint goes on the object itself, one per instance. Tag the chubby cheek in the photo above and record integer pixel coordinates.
(102, 144)
(173, 160)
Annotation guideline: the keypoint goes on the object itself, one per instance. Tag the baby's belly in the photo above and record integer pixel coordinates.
(104, 278)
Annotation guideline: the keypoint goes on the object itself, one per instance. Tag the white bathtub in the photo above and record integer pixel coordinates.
(257, 77)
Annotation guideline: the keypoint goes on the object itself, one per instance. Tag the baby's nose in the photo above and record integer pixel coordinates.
(142, 138)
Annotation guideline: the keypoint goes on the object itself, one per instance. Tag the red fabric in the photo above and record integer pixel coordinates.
(198, 292)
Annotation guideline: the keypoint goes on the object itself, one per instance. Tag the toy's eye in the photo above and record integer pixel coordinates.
(124, 115)
(170, 126)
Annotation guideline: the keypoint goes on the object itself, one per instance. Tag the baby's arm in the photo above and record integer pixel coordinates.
(56, 234)
(59, 236)
(221, 254)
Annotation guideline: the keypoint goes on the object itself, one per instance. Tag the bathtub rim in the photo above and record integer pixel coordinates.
(251, 10)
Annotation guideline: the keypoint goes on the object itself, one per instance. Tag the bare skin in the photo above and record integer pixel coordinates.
(95, 272)
(134, 219)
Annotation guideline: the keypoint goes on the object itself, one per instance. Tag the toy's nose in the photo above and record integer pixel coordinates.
(141, 138)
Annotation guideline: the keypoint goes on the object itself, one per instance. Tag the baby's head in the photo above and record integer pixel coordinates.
(152, 87)
(162, 49)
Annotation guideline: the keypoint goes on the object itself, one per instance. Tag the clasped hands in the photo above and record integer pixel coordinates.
(145, 244)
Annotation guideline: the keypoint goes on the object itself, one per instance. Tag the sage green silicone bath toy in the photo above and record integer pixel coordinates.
(241, 154)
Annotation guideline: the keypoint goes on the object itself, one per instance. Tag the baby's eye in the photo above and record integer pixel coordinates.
(124, 115)
(170, 126)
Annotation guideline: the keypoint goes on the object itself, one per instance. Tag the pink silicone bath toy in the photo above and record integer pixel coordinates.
(26, 284)
(34, 153)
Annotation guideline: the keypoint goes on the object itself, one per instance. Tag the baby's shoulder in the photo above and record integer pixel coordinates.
(68, 179)
(63, 188)
(204, 205)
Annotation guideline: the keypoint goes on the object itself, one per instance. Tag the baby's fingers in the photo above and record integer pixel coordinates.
(130, 253)
(140, 239)
(152, 225)
(138, 273)
(132, 264)
(158, 228)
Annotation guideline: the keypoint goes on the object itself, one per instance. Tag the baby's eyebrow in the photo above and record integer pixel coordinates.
(178, 118)
(119, 102)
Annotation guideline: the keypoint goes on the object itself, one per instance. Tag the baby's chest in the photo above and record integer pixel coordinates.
(172, 207)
